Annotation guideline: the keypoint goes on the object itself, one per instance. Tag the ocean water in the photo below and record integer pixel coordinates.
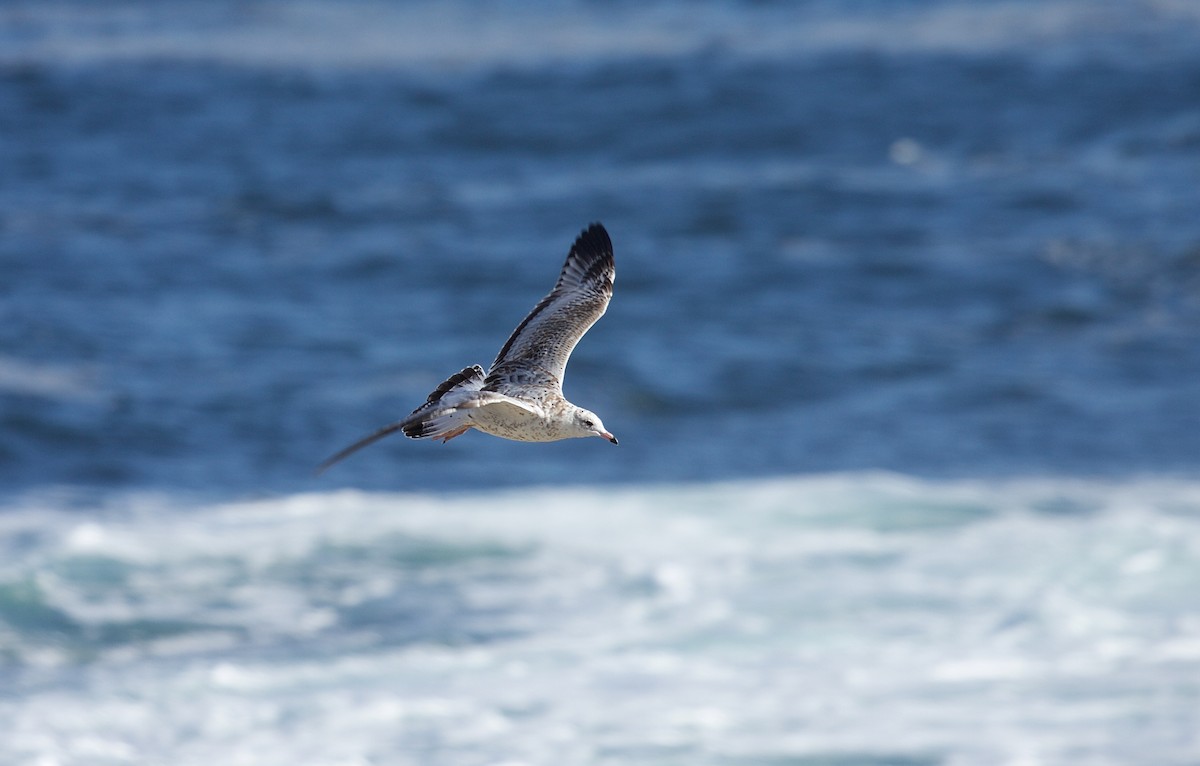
(843, 619)
(903, 357)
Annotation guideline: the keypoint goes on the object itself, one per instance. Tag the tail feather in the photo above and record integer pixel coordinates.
(438, 425)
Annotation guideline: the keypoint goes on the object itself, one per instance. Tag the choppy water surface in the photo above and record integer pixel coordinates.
(953, 242)
(941, 238)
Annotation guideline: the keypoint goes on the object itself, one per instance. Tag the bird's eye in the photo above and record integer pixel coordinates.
(588, 423)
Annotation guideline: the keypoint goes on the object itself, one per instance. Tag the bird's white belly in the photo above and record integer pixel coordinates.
(518, 425)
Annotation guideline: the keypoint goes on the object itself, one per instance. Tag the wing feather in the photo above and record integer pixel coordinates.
(543, 342)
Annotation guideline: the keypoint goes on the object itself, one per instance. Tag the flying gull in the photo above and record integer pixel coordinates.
(520, 397)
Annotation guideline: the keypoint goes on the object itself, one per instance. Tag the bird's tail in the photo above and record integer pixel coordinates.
(438, 424)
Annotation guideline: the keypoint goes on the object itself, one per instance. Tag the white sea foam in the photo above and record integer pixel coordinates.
(865, 615)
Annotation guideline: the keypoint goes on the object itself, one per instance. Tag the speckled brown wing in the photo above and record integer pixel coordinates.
(536, 353)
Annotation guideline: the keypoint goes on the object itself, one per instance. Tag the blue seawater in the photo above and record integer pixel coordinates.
(903, 357)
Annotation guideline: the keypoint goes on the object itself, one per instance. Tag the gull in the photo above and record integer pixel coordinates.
(520, 397)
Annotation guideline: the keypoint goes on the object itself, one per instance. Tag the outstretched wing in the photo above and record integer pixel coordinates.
(543, 342)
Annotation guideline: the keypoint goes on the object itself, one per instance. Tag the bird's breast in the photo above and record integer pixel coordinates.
(522, 428)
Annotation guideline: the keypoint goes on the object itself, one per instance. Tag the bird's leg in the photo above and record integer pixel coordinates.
(452, 434)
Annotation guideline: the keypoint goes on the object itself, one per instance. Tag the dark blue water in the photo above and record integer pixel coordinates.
(947, 239)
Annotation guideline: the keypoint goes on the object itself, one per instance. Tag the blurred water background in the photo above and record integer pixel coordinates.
(903, 357)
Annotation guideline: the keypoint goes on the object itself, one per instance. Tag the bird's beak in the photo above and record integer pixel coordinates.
(610, 437)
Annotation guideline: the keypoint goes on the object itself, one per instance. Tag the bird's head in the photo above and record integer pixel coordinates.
(588, 424)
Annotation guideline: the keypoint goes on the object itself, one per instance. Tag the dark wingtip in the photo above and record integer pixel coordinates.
(594, 238)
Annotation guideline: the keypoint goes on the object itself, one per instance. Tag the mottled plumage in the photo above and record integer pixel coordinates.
(520, 397)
